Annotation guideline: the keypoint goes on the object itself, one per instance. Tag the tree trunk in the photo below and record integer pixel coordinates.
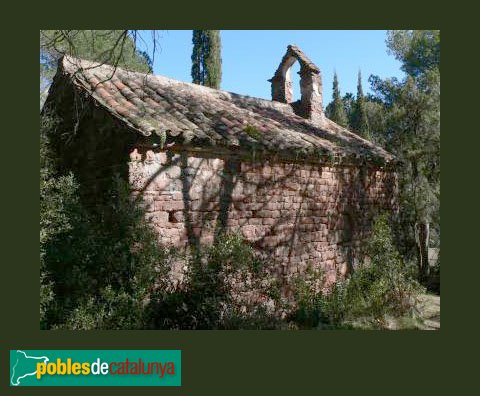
(422, 236)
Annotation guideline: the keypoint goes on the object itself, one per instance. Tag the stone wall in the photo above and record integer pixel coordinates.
(298, 215)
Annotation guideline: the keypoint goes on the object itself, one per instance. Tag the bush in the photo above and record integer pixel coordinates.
(227, 286)
(307, 294)
(108, 309)
(105, 267)
(382, 286)
(97, 268)
(58, 205)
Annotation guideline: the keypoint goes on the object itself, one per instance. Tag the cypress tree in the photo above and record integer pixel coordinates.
(336, 109)
(360, 119)
(197, 57)
(206, 58)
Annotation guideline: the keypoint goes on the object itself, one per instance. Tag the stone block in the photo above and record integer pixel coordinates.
(161, 157)
(168, 205)
(232, 223)
(248, 232)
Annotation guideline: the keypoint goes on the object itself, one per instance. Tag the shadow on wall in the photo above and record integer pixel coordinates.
(299, 215)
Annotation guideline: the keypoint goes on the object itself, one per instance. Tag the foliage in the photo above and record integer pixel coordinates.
(375, 113)
(416, 141)
(109, 266)
(206, 58)
(404, 117)
(336, 110)
(105, 46)
(359, 117)
(349, 104)
(411, 113)
(219, 291)
(418, 50)
(252, 132)
(58, 200)
(384, 286)
(116, 47)
(99, 269)
(307, 295)
(148, 60)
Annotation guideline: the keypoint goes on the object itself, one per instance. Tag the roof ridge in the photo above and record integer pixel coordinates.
(169, 79)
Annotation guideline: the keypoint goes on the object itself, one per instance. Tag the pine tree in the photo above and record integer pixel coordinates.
(336, 109)
(206, 58)
(360, 118)
(411, 109)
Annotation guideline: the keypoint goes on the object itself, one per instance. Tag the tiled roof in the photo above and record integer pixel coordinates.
(197, 116)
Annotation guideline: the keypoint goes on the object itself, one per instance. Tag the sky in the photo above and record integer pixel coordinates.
(250, 57)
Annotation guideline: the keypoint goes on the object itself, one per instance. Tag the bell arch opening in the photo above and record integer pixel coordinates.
(307, 79)
(293, 75)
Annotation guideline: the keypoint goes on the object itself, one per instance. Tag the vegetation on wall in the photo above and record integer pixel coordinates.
(252, 132)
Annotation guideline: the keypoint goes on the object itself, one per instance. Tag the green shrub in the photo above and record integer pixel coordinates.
(58, 206)
(97, 267)
(105, 267)
(252, 132)
(109, 309)
(383, 286)
(224, 284)
(307, 295)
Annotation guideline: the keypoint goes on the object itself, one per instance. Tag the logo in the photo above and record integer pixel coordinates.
(95, 368)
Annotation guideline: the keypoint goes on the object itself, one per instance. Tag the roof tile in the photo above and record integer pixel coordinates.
(195, 115)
